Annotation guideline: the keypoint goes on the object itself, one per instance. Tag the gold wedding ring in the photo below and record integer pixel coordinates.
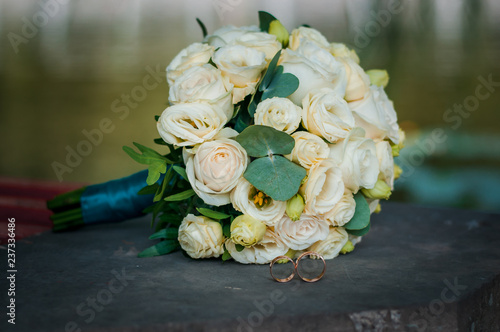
(295, 267)
(315, 254)
(290, 277)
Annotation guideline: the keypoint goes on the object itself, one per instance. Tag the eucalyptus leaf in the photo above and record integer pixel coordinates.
(359, 232)
(166, 233)
(281, 86)
(180, 196)
(361, 218)
(266, 79)
(212, 214)
(276, 176)
(161, 248)
(265, 20)
(260, 141)
(239, 247)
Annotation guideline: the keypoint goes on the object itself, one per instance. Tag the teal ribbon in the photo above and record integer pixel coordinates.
(115, 200)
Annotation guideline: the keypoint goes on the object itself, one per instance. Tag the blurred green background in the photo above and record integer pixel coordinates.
(65, 65)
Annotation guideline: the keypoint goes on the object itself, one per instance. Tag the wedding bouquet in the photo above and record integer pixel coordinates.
(274, 143)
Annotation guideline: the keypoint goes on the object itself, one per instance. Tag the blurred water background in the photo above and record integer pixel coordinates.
(67, 65)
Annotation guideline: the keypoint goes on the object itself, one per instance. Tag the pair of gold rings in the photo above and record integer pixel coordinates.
(296, 265)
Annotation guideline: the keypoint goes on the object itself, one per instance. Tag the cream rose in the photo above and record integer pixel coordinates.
(263, 252)
(385, 162)
(325, 60)
(214, 168)
(324, 187)
(227, 34)
(358, 82)
(302, 34)
(375, 113)
(201, 237)
(340, 50)
(247, 230)
(241, 66)
(326, 114)
(243, 198)
(309, 149)
(343, 211)
(203, 84)
(196, 54)
(260, 41)
(357, 157)
(187, 124)
(330, 247)
(300, 234)
(310, 74)
(279, 113)
(373, 204)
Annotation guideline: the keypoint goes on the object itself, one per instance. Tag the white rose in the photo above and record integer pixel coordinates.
(343, 211)
(375, 113)
(187, 124)
(302, 34)
(227, 34)
(309, 149)
(355, 239)
(201, 237)
(260, 41)
(243, 200)
(263, 252)
(203, 83)
(340, 50)
(357, 157)
(196, 54)
(330, 247)
(385, 162)
(215, 169)
(279, 113)
(242, 67)
(324, 187)
(326, 114)
(310, 74)
(325, 60)
(358, 82)
(300, 234)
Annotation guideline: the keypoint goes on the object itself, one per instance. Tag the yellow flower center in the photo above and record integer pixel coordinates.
(260, 199)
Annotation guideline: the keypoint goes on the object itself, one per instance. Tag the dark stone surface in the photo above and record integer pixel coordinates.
(400, 277)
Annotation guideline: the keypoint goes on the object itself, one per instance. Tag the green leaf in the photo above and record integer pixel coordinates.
(212, 214)
(266, 79)
(166, 233)
(239, 247)
(260, 141)
(160, 141)
(264, 20)
(157, 117)
(281, 86)
(226, 230)
(165, 182)
(181, 171)
(226, 255)
(174, 219)
(161, 248)
(276, 176)
(180, 196)
(202, 26)
(157, 163)
(361, 218)
(149, 190)
(359, 232)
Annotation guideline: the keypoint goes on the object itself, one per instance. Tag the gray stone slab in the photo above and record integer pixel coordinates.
(418, 269)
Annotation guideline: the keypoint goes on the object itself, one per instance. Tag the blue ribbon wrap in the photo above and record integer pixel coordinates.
(115, 200)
